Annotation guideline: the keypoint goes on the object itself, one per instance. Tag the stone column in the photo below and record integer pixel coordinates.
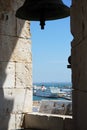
(15, 66)
(79, 63)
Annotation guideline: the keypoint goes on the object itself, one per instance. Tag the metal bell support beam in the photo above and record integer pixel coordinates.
(42, 10)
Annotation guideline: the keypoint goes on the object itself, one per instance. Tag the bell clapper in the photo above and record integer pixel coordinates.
(42, 23)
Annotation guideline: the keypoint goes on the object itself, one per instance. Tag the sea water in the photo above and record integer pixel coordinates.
(61, 85)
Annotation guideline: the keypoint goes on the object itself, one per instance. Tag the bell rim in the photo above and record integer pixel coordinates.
(38, 19)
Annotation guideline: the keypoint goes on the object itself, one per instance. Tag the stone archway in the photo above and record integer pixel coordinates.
(15, 66)
(79, 63)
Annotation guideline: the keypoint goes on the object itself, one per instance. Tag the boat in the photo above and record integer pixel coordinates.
(45, 92)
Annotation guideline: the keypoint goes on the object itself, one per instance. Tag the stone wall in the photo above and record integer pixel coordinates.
(57, 107)
(79, 62)
(41, 121)
(15, 66)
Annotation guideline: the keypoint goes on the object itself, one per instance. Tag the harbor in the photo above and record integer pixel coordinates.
(64, 92)
(52, 99)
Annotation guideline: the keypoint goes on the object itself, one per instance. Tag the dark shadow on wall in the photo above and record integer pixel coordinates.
(8, 38)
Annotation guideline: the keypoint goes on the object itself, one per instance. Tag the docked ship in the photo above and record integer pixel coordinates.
(50, 92)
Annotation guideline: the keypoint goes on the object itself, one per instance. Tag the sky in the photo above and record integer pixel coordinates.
(51, 48)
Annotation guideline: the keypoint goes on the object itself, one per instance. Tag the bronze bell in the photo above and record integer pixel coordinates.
(42, 10)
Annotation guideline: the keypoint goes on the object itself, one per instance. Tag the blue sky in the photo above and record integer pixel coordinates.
(51, 48)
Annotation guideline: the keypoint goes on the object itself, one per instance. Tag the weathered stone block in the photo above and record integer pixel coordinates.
(15, 101)
(15, 49)
(79, 66)
(15, 75)
(22, 51)
(23, 29)
(56, 107)
(5, 6)
(46, 106)
(11, 121)
(77, 21)
(25, 104)
(7, 121)
(79, 110)
(85, 17)
(23, 75)
(8, 23)
(68, 124)
(17, 4)
(7, 74)
(19, 120)
(7, 46)
(43, 122)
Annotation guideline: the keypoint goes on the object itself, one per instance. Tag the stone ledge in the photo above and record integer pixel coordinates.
(47, 121)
